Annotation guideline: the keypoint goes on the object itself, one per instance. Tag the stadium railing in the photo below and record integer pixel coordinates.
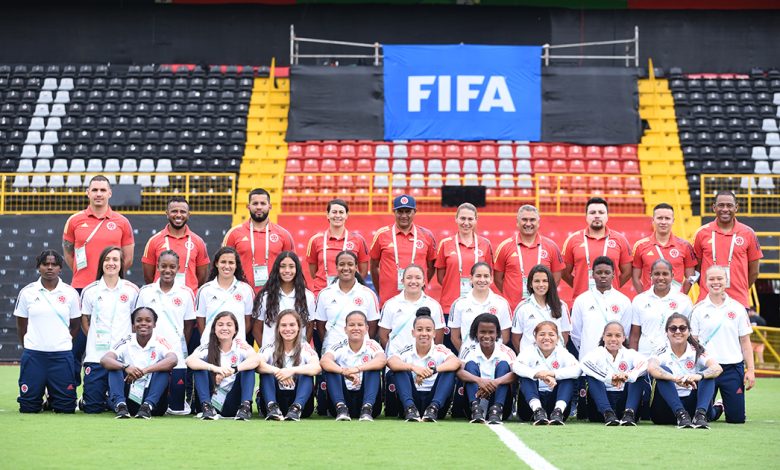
(756, 193)
(766, 344)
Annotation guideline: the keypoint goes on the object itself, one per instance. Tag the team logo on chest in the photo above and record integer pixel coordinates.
(731, 315)
(493, 310)
(419, 244)
(611, 244)
(689, 365)
(739, 241)
(358, 301)
(544, 254)
(124, 298)
(274, 238)
(431, 364)
(177, 301)
(234, 359)
(672, 304)
(238, 297)
(350, 246)
(153, 355)
(623, 366)
(555, 365)
(365, 358)
(111, 226)
(674, 253)
(189, 245)
(61, 299)
(615, 309)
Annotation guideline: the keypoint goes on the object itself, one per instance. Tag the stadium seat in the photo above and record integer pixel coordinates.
(363, 165)
(489, 180)
(759, 153)
(451, 166)
(523, 167)
(506, 181)
(399, 166)
(506, 166)
(400, 151)
(470, 165)
(487, 166)
(382, 151)
(452, 179)
(505, 151)
(328, 165)
(381, 166)
(435, 181)
(416, 165)
(346, 165)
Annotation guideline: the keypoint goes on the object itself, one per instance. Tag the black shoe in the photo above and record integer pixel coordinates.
(431, 413)
(700, 419)
(207, 411)
(411, 413)
(294, 413)
(342, 412)
(628, 418)
(274, 414)
(540, 417)
(367, 412)
(495, 414)
(121, 411)
(245, 412)
(683, 420)
(145, 411)
(476, 413)
(556, 418)
(719, 408)
(610, 418)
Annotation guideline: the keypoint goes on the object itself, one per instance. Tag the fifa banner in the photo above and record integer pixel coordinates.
(463, 92)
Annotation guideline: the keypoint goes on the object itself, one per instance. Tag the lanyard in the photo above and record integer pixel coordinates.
(546, 361)
(45, 295)
(164, 307)
(399, 330)
(676, 361)
(731, 248)
(457, 250)
(113, 313)
(538, 255)
(714, 332)
(395, 246)
(660, 255)
(325, 248)
(252, 241)
(587, 250)
(188, 245)
(604, 309)
(93, 232)
(225, 299)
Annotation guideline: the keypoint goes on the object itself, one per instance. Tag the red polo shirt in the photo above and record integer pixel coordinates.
(189, 242)
(383, 251)
(746, 249)
(279, 240)
(677, 251)
(447, 258)
(542, 251)
(613, 244)
(114, 230)
(351, 241)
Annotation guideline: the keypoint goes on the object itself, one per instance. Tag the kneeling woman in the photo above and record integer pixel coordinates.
(139, 368)
(486, 371)
(548, 374)
(684, 378)
(612, 370)
(288, 365)
(352, 372)
(224, 371)
(424, 373)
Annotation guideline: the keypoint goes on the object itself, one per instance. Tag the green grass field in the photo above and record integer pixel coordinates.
(79, 441)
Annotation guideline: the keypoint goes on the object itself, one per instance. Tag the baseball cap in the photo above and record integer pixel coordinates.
(404, 201)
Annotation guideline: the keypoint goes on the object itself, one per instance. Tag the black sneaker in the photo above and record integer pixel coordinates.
(411, 413)
(556, 418)
(629, 418)
(495, 414)
(294, 413)
(144, 411)
(700, 419)
(431, 413)
(476, 413)
(245, 412)
(610, 418)
(342, 412)
(274, 414)
(207, 411)
(540, 417)
(121, 411)
(683, 420)
(367, 412)
(718, 407)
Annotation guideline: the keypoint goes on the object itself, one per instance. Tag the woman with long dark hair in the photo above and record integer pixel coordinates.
(542, 305)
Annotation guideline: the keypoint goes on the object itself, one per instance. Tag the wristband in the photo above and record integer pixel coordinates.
(124, 367)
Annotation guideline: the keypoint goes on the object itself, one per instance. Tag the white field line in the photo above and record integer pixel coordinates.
(525, 453)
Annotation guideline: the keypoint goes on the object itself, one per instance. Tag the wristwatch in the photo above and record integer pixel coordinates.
(433, 369)
(124, 367)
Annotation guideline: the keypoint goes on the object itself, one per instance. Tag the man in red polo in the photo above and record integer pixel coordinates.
(258, 241)
(397, 246)
(731, 244)
(519, 253)
(663, 244)
(582, 247)
(177, 236)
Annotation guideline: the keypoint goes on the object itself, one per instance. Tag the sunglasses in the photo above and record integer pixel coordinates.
(675, 328)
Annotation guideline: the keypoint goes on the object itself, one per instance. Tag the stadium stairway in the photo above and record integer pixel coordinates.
(660, 156)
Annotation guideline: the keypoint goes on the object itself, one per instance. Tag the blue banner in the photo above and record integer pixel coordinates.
(463, 92)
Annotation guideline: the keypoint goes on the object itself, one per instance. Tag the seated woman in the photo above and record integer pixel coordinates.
(548, 374)
(223, 371)
(424, 373)
(352, 372)
(684, 378)
(486, 372)
(139, 368)
(287, 368)
(612, 370)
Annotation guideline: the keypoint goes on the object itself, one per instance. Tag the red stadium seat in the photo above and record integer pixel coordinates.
(577, 166)
(612, 167)
(294, 151)
(452, 151)
(525, 194)
(595, 166)
(328, 165)
(593, 151)
(597, 183)
(292, 182)
(362, 181)
(487, 151)
(417, 151)
(470, 151)
(611, 153)
(327, 182)
(628, 151)
(365, 151)
(559, 166)
(632, 183)
(615, 182)
(294, 165)
(579, 182)
(364, 166)
(417, 192)
(544, 181)
(330, 151)
(347, 151)
(312, 151)
(575, 151)
(346, 165)
(433, 192)
(540, 151)
(506, 192)
(346, 181)
(435, 151)
(344, 193)
(558, 151)
(309, 181)
(311, 166)
(630, 167)
(541, 166)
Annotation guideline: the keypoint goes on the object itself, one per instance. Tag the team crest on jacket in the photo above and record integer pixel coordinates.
(358, 301)
(672, 304)
(431, 364)
(189, 245)
(555, 364)
(732, 315)
(153, 355)
(615, 309)
(493, 310)
(544, 254)
(61, 299)
(419, 244)
(623, 366)
(689, 365)
(111, 226)
(274, 238)
(234, 359)
(177, 301)
(24, 388)
(674, 253)
(238, 297)
(124, 298)
(739, 241)
(350, 246)
(365, 358)
(611, 244)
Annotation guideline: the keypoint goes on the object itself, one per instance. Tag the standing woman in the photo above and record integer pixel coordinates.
(543, 305)
(487, 372)
(225, 291)
(106, 305)
(684, 377)
(548, 374)
(456, 256)
(721, 325)
(47, 319)
(323, 247)
(424, 374)
(285, 290)
(612, 371)
(352, 371)
(346, 295)
(287, 367)
(480, 300)
(224, 371)
(175, 303)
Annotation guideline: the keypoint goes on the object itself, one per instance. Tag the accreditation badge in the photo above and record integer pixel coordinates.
(81, 257)
(465, 286)
(180, 279)
(260, 274)
(591, 281)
